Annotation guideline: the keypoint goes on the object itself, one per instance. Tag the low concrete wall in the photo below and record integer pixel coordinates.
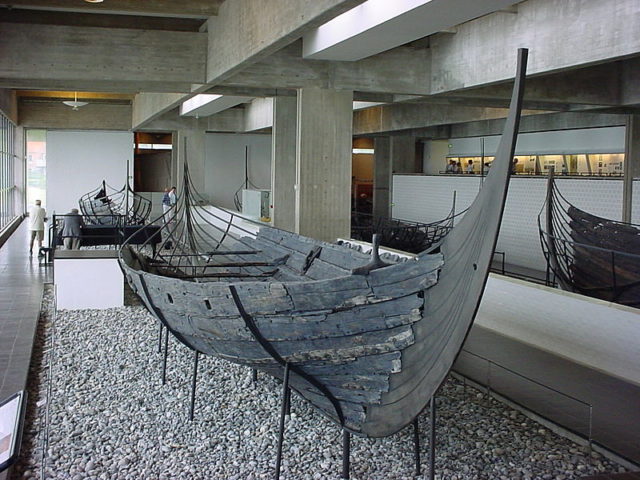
(594, 333)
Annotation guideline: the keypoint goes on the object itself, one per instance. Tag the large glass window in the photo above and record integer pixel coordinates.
(7, 172)
(36, 167)
(601, 164)
(464, 163)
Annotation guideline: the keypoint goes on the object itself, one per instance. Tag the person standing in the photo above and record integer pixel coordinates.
(37, 217)
(72, 229)
(168, 200)
(470, 167)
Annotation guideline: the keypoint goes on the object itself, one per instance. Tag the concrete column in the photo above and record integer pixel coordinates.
(631, 164)
(382, 177)
(323, 163)
(193, 154)
(403, 154)
(391, 155)
(283, 163)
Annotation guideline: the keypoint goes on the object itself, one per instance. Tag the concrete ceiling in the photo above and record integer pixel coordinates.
(430, 55)
(379, 25)
(156, 15)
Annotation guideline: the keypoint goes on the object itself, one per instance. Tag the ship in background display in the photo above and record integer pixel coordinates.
(404, 235)
(106, 205)
(587, 254)
(365, 340)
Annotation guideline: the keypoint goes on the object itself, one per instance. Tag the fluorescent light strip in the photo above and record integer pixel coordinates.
(154, 146)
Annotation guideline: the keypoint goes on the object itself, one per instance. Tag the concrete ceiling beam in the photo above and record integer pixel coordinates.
(168, 8)
(404, 70)
(94, 116)
(556, 32)
(252, 91)
(127, 87)
(246, 31)
(540, 123)
(65, 53)
(379, 25)
(22, 15)
(389, 118)
(150, 106)
(585, 86)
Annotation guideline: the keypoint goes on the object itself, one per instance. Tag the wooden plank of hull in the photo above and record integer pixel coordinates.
(365, 365)
(605, 233)
(380, 316)
(299, 352)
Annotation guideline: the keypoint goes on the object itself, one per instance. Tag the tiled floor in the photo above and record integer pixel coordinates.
(21, 286)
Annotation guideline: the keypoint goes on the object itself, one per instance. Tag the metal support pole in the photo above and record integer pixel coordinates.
(193, 384)
(288, 410)
(160, 340)
(255, 375)
(432, 440)
(416, 445)
(164, 360)
(346, 454)
(285, 400)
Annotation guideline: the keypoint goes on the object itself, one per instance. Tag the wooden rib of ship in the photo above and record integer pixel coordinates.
(366, 343)
(587, 254)
(106, 205)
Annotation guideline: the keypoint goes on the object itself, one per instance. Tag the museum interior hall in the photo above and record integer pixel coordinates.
(329, 239)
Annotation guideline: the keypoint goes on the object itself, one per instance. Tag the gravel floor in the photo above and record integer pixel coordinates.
(109, 417)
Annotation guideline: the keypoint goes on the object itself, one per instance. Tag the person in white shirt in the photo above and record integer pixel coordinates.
(37, 217)
(470, 167)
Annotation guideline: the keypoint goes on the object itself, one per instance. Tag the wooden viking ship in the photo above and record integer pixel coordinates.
(587, 254)
(107, 206)
(366, 342)
(404, 235)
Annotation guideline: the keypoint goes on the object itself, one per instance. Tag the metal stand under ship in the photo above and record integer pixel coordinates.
(365, 342)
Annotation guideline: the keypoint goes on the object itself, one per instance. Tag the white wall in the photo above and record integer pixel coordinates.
(428, 199)
(225, 162)
(77, 162)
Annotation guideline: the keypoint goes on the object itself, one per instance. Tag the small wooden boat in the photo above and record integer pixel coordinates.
(108, 206)
(587, 254)
(365, 342)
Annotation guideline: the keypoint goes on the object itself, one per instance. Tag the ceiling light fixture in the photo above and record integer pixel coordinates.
(75, 104)
(94, 1)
